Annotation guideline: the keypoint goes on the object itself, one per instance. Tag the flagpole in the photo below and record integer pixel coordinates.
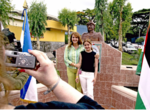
(25, 6)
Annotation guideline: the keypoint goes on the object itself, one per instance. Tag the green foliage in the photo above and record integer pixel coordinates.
(90, 14)
(111, 30)
(126, 59)
(126, 18)
(112, 18)
(136, 55)
(5, 9)
(139, 22)
(100, 8)
(67, 17)
(37, 17)
(82, 20)
(125, 39)
(139, 40)
(85, 16)
(131, 59)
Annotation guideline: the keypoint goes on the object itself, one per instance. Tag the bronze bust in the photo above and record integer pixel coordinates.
(92, 35)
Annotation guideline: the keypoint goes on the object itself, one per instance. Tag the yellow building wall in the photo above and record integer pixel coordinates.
(58, 25)
(56, 33)
(53, 35)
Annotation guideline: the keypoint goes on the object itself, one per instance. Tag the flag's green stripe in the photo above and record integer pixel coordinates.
(139, 103)
(139, 66)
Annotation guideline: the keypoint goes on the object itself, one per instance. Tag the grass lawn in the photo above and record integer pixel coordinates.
(126, 59)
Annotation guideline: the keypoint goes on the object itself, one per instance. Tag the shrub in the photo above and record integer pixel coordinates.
(139, 40)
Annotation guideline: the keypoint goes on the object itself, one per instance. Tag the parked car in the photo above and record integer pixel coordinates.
(114, 43)
(140, 46)
(129, 49)
(123, 43)
(135, 45)
(128, 43)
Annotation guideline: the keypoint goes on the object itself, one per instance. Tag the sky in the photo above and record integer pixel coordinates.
(54, 6)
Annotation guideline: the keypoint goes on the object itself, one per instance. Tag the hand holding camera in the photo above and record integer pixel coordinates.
(20, 59)
(46, 73)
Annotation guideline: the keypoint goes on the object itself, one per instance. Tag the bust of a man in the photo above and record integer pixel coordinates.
(92, 35)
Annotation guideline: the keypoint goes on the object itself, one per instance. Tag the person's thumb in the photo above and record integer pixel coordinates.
(31, 72)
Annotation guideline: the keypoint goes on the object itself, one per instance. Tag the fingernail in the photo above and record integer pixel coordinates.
(29, 49)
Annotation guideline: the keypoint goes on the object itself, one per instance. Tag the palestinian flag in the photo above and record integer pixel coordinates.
(143, 96)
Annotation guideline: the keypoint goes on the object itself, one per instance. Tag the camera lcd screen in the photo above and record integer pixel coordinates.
(10, 59)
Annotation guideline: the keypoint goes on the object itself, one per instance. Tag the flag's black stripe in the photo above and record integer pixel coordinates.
(147, 48)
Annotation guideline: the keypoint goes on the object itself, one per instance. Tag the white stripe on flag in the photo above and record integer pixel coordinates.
(22, 38)
(28, 95)
(144, 88)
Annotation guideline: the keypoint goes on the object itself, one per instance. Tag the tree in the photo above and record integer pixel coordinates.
(5, 9)
(139, 40)
(139, 23)
(122, 16)
(82, 20)
(100, 8)
(37, 17)
(85, 16)
(69, 18)
(90, 14)
(110, 27)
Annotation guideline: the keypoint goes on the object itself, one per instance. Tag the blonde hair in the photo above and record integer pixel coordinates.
(89, 41)
(3, 81)
(76, 34)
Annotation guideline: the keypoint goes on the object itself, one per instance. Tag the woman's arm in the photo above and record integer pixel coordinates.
(97, 56)
(80, 62)
(66, 56)
(78, 65)
(47, 75)
(96, 69)
(75, 65)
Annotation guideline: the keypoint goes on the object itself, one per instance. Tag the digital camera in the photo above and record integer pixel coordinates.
(20, 59)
